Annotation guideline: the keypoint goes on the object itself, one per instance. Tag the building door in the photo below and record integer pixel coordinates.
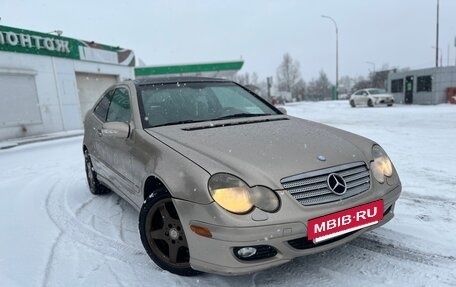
(408, 90)
(19, 106)
(90, 88)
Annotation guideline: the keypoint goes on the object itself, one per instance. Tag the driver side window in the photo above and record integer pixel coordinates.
(119, 108)
(101, 110)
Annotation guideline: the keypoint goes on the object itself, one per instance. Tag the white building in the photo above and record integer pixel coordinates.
(429, 86)
(48, 82)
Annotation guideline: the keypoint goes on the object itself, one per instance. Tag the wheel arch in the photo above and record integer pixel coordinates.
(152, 184)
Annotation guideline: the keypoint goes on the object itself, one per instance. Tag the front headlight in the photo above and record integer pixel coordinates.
(236, 196)
(381, 166)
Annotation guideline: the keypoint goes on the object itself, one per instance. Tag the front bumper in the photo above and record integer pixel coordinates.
(384, 101)
(285, 231)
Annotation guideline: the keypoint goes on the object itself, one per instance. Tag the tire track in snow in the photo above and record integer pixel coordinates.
(83, 205)
(428, 200)
(401, 252)
(47, 271)
(68, 223)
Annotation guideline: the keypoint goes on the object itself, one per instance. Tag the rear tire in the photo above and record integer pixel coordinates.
(163, 236)
(95, 186)
(390, 105)
(352, 103)
(370, 103)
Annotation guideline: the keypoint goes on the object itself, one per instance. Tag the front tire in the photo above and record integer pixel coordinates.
(370, 103)
(95, 186)
(352, 103)
(163, 236)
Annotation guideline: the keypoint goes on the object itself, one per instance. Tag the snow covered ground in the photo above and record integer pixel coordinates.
(53, 232)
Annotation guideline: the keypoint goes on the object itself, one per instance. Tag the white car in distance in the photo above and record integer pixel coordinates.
(371, 98)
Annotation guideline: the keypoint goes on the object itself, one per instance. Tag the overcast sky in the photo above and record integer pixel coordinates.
(400, 33)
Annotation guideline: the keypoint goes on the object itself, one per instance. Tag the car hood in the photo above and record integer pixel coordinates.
(262, 151)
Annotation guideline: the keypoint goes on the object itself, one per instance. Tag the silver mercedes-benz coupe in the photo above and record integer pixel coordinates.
(227, 183)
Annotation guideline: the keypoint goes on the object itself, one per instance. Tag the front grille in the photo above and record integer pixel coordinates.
(311, 188)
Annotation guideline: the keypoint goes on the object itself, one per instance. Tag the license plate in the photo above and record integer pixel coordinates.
(345, 221)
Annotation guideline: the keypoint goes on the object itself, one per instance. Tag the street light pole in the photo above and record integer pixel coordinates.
(437, 37)
(337, 52)
(441, 53)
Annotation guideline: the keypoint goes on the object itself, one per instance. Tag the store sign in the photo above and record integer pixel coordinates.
(31, 42)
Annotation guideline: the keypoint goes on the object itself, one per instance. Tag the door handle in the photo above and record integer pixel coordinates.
(99, 132)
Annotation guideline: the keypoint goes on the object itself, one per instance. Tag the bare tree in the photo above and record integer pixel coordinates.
(299, 90)
(288, 74)
(319, 89)
(345, 84)
(361, 83)
(243, 79)
(246, 79)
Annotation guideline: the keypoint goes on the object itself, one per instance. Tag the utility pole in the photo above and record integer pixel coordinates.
(269, 82)
(337, 53)
(441, 53)
(437, 38)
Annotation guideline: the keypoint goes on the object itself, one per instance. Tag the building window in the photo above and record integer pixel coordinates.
(424, 84)
(397, 86)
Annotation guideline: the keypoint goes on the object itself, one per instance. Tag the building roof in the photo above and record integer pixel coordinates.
(19, 40)
(206, 69)
(165, 80)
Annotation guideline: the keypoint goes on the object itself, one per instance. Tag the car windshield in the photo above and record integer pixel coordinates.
(179, 103)
(377, 91)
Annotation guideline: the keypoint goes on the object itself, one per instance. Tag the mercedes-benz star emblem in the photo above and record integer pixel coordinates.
(336, 184)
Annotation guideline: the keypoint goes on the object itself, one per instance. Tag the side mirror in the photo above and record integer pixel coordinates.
(282, 110)
(116, 130)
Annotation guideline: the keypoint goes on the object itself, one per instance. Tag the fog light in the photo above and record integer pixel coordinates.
(246, 252)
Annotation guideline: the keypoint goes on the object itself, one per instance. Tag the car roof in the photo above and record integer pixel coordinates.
(165, 80)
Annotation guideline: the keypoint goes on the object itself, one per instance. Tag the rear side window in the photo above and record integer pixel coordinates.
(101, 110)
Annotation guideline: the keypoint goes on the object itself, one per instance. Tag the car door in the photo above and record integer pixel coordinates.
(93, 131)
(115, 151)
(358, 97)
(365, 97)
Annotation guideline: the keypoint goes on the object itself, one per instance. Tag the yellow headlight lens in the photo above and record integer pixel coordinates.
(381, 166)
(233, 199)
(234, 195)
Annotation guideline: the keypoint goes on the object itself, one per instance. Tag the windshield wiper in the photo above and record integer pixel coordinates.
(241, 115)
(179, 123)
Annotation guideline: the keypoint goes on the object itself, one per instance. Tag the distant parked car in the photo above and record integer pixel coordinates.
(371, 97)
(227, 183)
(343, 96)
